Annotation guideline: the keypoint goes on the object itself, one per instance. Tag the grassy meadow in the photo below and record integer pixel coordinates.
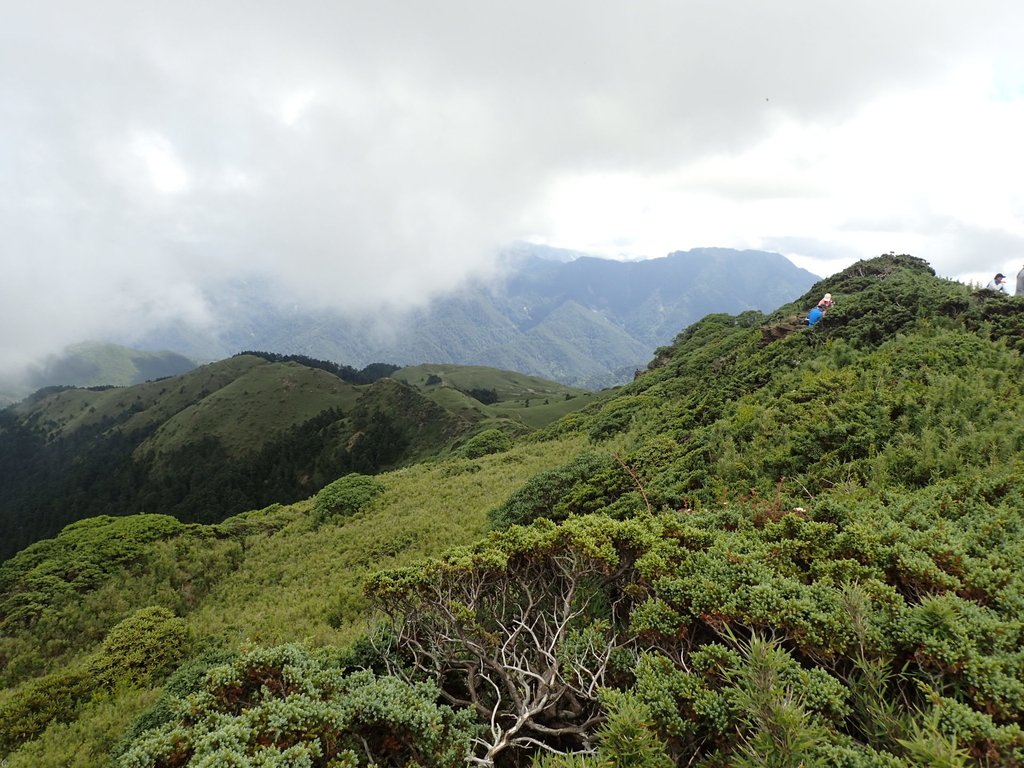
(262, 578)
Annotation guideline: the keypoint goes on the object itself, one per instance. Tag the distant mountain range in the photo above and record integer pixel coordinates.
(579, 320)
(94, 364)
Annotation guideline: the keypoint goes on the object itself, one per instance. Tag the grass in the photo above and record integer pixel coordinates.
(528, 400)
(143, 404)
(458, 403)
(285, 580)
(543, 411)
(508, 385)
(306, 582)
(264, 400)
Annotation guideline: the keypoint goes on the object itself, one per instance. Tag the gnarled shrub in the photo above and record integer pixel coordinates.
(286, 707)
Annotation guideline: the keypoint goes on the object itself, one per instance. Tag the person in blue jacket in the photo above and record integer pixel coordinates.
(819, 311)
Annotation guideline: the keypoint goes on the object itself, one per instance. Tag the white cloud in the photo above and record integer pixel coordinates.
(360, 154)
(933, 172)
(295, 104)
(160, 163)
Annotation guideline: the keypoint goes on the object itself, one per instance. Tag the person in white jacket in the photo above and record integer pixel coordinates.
(1020, 283)
(997, 283)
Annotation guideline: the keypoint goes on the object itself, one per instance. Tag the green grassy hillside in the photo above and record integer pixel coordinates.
(61, 411)
(227, 437)
(507, 385)
(508, 397)
(268, 576)
(264, 400)
(771, 549)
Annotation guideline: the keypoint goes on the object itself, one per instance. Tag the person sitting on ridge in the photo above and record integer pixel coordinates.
(819, 310)
(997, 283)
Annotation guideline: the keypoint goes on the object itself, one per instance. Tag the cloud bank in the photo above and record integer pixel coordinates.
(370, 155)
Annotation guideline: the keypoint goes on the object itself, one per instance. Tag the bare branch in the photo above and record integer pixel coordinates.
(518, 638)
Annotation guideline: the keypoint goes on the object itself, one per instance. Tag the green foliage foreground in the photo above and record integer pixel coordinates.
(283, 707)
(845, 636)
(768, 550)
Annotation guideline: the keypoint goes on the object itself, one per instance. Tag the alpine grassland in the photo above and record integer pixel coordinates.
(287, 573)
(514, 399)
(243, 433)
(777, 546)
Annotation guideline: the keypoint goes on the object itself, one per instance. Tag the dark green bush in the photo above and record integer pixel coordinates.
(285, 706)
(187, 679)
(629, 738)
(616, 416)
(345, 497)
(485, 443)
(141, 648)
(35, 704)
(589, 482)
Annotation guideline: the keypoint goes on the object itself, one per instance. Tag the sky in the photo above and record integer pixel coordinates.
(365, 155)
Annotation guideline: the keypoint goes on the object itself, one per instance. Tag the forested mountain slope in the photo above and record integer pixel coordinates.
(235, 435)
(583, 321)
(769, 549)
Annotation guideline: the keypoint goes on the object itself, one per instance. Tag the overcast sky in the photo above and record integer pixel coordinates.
(361, 152)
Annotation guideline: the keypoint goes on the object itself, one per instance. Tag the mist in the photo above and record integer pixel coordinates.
(368, 157)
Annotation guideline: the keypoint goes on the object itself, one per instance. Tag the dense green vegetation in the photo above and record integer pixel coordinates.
(367, 375)
(241, 434)
(770, 549)
(265, 578)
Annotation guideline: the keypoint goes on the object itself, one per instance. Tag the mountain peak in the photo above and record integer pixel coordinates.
(644, 303)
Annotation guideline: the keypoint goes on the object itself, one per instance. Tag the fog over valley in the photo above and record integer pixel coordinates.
(361, 159)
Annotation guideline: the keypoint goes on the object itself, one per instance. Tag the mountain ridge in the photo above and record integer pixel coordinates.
(766, 549)
(641, 305)
(172, 445)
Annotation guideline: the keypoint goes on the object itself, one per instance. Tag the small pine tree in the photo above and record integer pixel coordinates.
(628, 739)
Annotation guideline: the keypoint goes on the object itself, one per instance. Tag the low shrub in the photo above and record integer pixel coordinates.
(345, 497)
(485, 443)
(143, 647)
(589, 482)
(35, 704)
(286, 707)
